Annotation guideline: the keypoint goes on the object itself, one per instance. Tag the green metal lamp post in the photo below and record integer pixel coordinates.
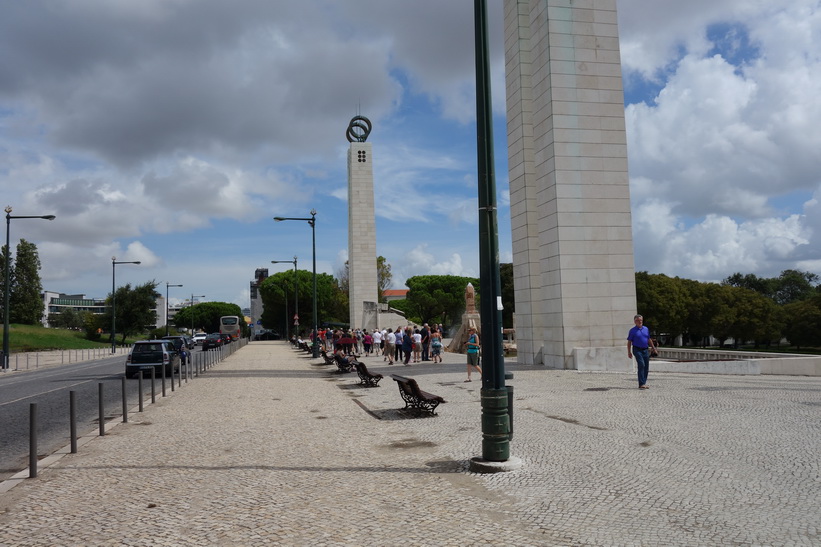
(494, 398)
(312, 222)
(296, 296)
(167, 284)
(114, 263)
(7, 282)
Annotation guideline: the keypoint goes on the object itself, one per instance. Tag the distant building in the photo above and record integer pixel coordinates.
(56, 303)
(394, 294)
(257, 307)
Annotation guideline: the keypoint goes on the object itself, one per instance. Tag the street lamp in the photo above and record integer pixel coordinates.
(6, 286)
(296, 295)
(494, 394)
(167, 284)
(193, 296)
(114, 263)
(312, 222)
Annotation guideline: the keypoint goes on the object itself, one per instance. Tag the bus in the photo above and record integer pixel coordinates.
(230, 325)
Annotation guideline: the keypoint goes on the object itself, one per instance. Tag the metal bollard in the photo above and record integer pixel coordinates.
(510, 411)
(32, 440)
(72, 419)
(509, 376)
(125, 403)
(163, 379)
(101, 409)
(140, 389)
(153, 393)
(173, 374)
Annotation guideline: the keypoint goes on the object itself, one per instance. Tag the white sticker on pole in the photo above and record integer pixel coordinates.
(499, 303)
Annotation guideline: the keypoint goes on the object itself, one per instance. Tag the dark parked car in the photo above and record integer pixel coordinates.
(181, 345)
(148, 354)
(267, 335)
(213, 340)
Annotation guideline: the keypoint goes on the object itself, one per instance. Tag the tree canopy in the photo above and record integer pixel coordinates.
(437, 298)
(134, 308)
(384, 277)
(205, 316)
(277, 293)
(26, 300)
(744, 307)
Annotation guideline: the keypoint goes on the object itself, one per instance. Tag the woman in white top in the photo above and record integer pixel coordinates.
(417, 346)
(377, 341)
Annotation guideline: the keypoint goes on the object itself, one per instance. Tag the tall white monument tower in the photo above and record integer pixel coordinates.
(569, 194)
(362, 278)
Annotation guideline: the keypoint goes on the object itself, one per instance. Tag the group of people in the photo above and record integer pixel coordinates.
(408, 344)
(402, 344)
(413, 344)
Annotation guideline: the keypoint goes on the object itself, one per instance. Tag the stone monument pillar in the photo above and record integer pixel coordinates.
(569, 193)
(470, 319)
(362, 279)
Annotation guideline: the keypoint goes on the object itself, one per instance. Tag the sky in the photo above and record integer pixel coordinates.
(173, 131)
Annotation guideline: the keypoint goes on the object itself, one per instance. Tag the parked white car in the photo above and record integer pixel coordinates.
(199, 337)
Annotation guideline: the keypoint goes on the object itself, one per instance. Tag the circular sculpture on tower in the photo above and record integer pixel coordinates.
(359, 129)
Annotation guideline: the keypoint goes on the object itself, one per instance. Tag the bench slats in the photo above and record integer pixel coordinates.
(367, 378)
(414, 397)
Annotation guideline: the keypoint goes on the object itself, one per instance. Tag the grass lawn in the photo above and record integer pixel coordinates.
(36, 338)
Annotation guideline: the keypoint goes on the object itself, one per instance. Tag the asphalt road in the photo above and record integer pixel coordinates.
(49, 388)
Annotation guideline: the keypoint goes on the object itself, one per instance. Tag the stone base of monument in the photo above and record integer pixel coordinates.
(608, 359)
(479, 465)
(457, 343)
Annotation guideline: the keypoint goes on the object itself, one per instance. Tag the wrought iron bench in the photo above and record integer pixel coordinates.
(328, 359)
(367, 378)
(414, 397)
(344, 364)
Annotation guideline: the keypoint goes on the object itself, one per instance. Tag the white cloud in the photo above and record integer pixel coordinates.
(172, 131)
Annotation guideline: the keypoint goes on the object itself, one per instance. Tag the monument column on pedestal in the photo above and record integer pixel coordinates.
(569, 193)
(362, 278)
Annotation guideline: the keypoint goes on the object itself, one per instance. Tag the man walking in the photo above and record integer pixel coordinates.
(425, 342)
(639, 344)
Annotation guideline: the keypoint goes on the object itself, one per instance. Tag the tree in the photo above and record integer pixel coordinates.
(438, 298)
(790, 286)
(26, 291)
(700, 309)
(755, 315)
(723, 315)
(135, 309)
(795, 285)
(802, 324)
(761, 285)
(331, 302)
(205, 315)
(663, 302)
(66, 319)
(384, 277)
(92, 325)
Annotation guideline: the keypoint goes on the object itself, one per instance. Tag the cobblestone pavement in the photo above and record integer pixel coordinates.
(271, 448)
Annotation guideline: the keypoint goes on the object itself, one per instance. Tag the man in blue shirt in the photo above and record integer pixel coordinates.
(640, 343)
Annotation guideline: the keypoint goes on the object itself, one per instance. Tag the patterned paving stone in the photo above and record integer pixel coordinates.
(270, 448)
